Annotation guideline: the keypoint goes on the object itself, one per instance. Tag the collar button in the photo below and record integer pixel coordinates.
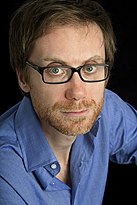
(53, 166)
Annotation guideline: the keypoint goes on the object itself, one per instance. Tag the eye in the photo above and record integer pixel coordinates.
(55, 71)
(89, 69)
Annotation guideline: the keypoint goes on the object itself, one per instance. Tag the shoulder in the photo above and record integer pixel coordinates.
(112, 97)
(120, 118)
(118, 115)
(114, 105)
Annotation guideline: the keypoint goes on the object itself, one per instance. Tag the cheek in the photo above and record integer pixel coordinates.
(45, 93)
(96, 91)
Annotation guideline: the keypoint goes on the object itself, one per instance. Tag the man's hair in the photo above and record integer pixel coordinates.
(36, 18)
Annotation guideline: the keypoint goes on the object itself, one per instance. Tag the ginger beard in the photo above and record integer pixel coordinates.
(69, 125)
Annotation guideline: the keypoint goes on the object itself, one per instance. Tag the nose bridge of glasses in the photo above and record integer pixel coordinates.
(76, 69)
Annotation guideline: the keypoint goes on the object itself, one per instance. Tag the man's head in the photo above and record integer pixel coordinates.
(58, 36)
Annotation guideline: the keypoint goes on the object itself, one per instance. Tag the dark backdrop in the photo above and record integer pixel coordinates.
(121, 178)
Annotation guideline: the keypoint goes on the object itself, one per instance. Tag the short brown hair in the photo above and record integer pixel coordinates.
(36, 17)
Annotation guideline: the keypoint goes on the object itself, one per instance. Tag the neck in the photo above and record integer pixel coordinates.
(61, 145)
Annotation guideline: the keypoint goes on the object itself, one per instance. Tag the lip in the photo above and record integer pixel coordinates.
(75, 113)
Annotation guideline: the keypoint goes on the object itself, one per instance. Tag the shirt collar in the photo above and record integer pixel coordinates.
(35, 149)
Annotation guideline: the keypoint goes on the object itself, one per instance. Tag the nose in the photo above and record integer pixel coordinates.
(76, 89)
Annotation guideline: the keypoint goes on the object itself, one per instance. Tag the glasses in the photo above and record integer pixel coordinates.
(59, 74)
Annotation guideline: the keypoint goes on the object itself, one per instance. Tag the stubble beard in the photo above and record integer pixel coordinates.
(71, 126)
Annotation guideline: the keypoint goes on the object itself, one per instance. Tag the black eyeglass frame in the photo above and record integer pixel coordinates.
(40, 70)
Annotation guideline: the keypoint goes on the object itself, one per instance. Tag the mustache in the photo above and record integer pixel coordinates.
(74, 106)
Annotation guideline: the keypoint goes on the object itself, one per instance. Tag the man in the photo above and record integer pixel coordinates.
(56, 143)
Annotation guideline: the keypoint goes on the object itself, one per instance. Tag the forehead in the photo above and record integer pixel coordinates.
(71, 40)
(80, 31)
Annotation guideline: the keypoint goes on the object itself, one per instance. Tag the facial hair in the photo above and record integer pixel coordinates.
(69, 125)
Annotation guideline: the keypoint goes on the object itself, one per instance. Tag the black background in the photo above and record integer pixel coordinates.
(122, 179)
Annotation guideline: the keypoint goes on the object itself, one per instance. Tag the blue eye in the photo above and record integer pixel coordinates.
(89, 68)
(55, 70)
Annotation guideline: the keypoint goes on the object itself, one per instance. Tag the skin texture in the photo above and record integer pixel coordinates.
(69, 109)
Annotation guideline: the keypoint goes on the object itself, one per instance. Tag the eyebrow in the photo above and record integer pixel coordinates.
(95, 59)
(57, 60)
(54, 59)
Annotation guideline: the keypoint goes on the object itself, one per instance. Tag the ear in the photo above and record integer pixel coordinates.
(22, 82)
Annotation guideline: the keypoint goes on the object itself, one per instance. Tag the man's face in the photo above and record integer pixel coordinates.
(70, 108)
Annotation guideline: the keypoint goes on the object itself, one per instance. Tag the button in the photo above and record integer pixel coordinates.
(53, 166)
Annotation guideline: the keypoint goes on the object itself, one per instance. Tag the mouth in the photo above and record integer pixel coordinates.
(77, 113)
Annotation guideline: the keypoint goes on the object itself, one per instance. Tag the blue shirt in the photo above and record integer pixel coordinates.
(28, 167)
